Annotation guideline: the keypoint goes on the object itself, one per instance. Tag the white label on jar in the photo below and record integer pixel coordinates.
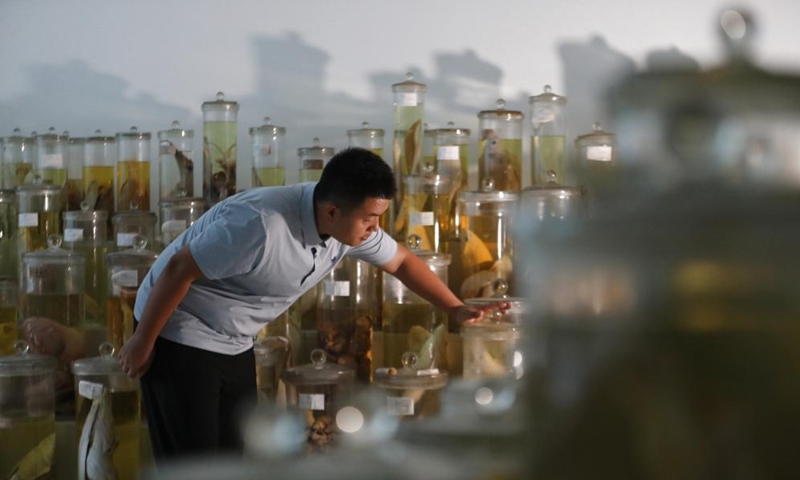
(73, 234)
(337, 288)
(125, 239)
(124, 278)
(311, 401)
(400, 405)
(427, 372)
(420, 218)
(28, 220)
(601, 153)
(173, 227)
(447, 152)
(52, 160)
(406, 99)
(90, 390)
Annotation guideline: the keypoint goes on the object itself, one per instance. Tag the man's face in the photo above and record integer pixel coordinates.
(355, 226)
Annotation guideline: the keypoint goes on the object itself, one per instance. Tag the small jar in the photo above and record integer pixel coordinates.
(318, 389)
(489, 348)
(269, 155)
(27, 410)
(412, 392)
(313, 160)
(129, 224)
(107, 413)
(177, 215)
(38, 215)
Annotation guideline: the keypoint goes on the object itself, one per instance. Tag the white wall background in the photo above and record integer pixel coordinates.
(320, 67)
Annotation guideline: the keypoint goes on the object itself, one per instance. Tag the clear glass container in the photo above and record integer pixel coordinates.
(132, 223)
(410, 323)
(17, 160)
(428, 155)
(176, 162)
(500, 147)
(548, 142)
(368, 138)
(485, 247)
(597, 157)
(303, 326)
(428, 210)
(490, 345)
(126, 270)
(27, 438)
(133, 169)
(408, 100)
(272, 354)
(9, 258)
(451, 149)
(313, 160)
(177, 215)
(346, 315)
(38, 216)
(85, 233)
(98, 174)
(52, 308)
(411, 392)
(8, 315)
(73, 188)
(551, 202)
(318, 389)
(269, 154)
(108, 417)
(52, 155)
(219, 149)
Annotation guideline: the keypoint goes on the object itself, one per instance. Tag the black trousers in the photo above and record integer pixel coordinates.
(195, 400)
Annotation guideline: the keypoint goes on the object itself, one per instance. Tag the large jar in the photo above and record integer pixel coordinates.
(346, 315)
(548, 141)
(126, 270)
(408, 100)
(219, 149)
(8, 315)
(176, 163)
(313, 160)
(52, 308)
(108, 417)
(500, 147)
(485, 242)
(133, 170)
(177, 215)
(410, 323)
(451, 149)
(38, 214)
(269, 155)
(411, 392)
(27, 434)
(132, 223)
(73, 188)
(9, 258)
(428, 210)
(85, 233)
(52, 152)
(17, 160)
(318, 389)
(98, 174)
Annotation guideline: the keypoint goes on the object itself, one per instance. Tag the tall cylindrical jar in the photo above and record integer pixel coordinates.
(133, 169)
(73, 188)
(411, 323)
(269, 155)
(219, 149)
(8, 234)
(429, 206)
(98, 174)
(451, 149)
(409, 108)
(52, 152)
(126, 270)
(176, 162)
(8, 314)
(548, 139)
(17, 160)
(312, 160)
(39, 209)
(107, 414)
(500, 147)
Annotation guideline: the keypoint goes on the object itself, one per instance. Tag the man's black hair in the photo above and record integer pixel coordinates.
(352, 176)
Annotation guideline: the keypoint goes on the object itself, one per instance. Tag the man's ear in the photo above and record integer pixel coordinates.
(330, 210)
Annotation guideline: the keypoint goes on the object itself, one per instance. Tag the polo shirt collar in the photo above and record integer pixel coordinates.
(308, 222)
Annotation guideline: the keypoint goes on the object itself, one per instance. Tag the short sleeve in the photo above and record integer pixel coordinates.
(231, 245)
(379, 249)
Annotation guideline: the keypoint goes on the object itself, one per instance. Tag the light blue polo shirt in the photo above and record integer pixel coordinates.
(259, 251)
